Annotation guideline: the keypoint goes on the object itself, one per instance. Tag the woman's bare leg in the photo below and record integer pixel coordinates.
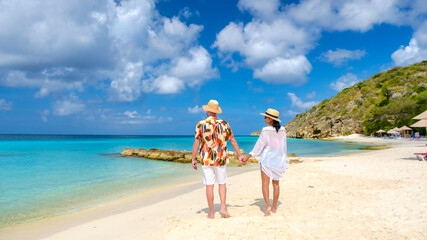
(276, 192)
(266, 192)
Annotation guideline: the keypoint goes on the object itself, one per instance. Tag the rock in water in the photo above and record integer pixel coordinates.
(174, 155)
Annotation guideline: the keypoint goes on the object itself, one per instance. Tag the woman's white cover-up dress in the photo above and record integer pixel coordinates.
(271, 147)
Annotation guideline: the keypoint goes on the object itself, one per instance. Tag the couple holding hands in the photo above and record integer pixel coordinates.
(212, 135)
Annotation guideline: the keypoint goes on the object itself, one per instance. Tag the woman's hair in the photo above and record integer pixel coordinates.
(276, 125)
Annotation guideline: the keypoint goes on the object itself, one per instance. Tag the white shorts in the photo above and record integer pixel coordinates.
(211, 172)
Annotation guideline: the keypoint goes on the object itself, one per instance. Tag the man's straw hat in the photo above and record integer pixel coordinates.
(272, 113)
(212, 107)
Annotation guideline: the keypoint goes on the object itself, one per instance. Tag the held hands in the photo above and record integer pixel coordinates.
(245, 159)
(241, 160)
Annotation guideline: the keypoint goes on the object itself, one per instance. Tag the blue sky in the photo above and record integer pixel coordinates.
(146, 67)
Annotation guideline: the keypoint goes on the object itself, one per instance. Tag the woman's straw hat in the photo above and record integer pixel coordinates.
(272, 113)
(212, 107)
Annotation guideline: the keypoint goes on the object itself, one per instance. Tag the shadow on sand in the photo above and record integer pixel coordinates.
(217, 207)
(261, 204)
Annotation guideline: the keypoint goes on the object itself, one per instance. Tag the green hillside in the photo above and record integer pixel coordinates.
(383, 101)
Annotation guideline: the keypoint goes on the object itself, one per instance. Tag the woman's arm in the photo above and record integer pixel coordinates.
(259, 146)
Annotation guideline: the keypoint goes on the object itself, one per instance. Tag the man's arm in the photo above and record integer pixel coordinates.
(194, 153)
(235, 147)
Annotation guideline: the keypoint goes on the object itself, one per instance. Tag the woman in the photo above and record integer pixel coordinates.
(271, 147)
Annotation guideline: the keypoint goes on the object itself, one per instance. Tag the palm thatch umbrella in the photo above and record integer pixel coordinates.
(405, 129)
(380, 132)
(423, 120)
(392, 131)
(421, 123)
(421, 116)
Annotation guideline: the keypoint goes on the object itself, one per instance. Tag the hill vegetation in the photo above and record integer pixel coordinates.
(386, 100)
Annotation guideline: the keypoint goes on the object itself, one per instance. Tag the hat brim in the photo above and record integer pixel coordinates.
(271, 117)
(208, 109)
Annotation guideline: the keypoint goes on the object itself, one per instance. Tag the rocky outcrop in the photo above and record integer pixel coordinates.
(314, 128)
(256, 133)
(185, 156)
(174, 155)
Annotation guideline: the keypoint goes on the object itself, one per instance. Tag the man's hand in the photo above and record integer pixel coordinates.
(241, 160)
(245, 159)
(194, 153)
(194, 164)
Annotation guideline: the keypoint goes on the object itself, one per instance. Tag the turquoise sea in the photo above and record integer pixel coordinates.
(47, 175)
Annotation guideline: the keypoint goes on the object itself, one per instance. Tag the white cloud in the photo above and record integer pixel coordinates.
(47, 82)
(345, 81)
(195, 110)
(195, 68)
(267, 44)
(68, 36)
(291, 30)
(192, 70)
(258, 41)
(279, 70)
(416, 51)
(186, 13)
(68, 106)
(341, 56)
(44, 115)
(127, 86)
(299, 104)
(311, 95)
(263, 9)
(168, 39)
(134, 118)
(407, 55)
(131, 114)
(164, 85)
(5, 105)
(230, 38)
(359, 15)
(84, 42)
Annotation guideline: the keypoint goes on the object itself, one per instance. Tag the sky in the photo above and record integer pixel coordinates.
(145, 67)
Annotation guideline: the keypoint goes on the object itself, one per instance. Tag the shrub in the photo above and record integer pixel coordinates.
(377, 75)
(384, 102)
(385, 92)
(358, 102)
(371, 126)
(418, 89)
(421, 98)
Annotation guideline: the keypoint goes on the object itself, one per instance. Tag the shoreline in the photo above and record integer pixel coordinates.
(152, 212)
(109, 200)
(46, 226)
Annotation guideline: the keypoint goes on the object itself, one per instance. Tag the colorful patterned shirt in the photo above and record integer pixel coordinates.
(213, 134)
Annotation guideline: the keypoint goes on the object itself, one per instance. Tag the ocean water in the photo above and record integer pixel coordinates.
(46, 175)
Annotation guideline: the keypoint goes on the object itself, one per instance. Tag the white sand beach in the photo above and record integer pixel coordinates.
(378, 194)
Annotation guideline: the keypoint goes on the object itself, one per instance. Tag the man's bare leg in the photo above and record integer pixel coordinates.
(223, 196)
(266, 192)
(276, 191)
(210, 198)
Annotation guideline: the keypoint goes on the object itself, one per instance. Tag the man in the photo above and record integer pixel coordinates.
(212, 134)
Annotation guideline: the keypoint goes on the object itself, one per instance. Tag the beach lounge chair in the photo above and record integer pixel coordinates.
(421, 156)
